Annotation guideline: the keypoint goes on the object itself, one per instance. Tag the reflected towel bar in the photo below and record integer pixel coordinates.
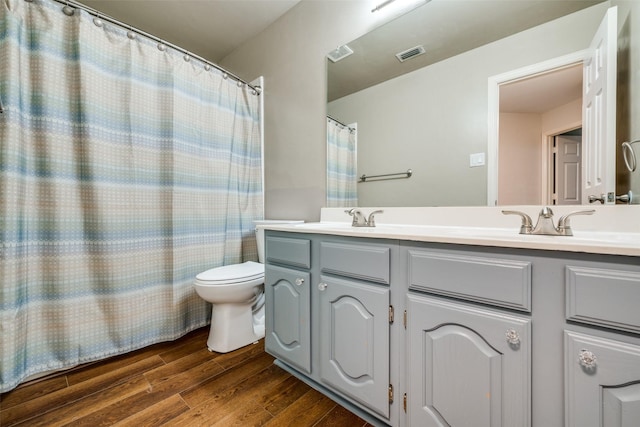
(629, 155)
(399, 175)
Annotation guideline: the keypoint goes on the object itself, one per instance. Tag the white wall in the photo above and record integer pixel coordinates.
(562, 118)
(520, 154)
(291, 56)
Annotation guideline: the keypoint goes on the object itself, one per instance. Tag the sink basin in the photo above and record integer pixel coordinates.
(606, 237)
(627, 243)
(471, 232)
(578, 235)
(322, 225)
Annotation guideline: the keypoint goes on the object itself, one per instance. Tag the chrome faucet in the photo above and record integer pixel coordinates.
(359, 220)
(545, 225)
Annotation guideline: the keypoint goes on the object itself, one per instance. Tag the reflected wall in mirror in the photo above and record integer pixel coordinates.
(432, 117)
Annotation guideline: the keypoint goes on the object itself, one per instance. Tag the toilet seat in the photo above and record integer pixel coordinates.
(235, 273)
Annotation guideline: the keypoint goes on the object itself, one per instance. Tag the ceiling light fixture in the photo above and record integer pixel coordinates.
(381, 5)
(399, 4)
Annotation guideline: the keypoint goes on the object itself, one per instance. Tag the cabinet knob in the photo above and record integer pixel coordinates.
(299, 281)
(513, 337)
(322, 286)
(587, 359)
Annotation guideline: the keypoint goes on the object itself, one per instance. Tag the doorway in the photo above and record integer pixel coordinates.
(565, 171)
(532, 109)
(530, 104)
(598, 148)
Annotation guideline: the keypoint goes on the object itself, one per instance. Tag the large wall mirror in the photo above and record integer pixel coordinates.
(429, 113)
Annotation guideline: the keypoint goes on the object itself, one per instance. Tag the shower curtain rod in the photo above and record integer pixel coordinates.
(102, 16)
(340, 123)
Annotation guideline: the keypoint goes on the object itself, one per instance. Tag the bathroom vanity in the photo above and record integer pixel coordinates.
(428, 326)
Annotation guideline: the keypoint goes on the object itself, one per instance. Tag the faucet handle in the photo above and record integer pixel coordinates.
(352, 212)
(358, 218)
(527, 224)
(564, 226)
(371, 222)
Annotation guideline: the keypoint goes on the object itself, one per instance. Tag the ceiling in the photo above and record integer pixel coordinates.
(542, 93)
(214, 28)
(445, 28)
(208, 28)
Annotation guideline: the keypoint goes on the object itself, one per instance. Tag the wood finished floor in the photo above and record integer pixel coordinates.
(179, 383)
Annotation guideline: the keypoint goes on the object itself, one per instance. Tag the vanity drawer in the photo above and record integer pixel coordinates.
(367, 262)
(603, 297)
(288, 251)
(496, 281)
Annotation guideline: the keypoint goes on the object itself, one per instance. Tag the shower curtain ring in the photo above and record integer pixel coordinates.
(131, 34)
(68, 10)
(97, 21)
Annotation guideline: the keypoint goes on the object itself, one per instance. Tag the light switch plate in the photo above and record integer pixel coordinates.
(476, 159)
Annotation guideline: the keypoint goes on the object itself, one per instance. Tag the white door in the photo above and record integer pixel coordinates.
(567, 170)
(599, 112)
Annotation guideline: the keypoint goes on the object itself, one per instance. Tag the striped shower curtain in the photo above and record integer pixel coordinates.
(341, 165)
(126, 169)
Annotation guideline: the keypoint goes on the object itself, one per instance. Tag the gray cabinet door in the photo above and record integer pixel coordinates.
(467, 366)
(288, 311)
(354, 341)
(602, 382)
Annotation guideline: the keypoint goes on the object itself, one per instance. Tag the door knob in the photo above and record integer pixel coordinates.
(625, 198)
(594, 198)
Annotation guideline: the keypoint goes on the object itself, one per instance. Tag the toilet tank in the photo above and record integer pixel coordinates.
(260, 232)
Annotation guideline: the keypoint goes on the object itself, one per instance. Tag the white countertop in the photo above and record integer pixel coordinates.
(613, 230)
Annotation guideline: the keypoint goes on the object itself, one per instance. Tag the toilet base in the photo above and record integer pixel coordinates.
(232, 327)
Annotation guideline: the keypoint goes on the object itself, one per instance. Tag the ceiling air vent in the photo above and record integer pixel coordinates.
(339, 53)
(410, 53)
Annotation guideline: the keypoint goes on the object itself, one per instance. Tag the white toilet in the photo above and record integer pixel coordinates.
(237, 294)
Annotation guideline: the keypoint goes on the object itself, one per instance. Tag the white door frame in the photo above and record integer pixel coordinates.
(494, 113)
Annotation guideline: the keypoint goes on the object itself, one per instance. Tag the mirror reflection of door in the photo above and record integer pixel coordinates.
(566, 174)
(532, 111)
(597, 98)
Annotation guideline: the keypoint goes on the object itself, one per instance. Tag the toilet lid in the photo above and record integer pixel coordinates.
(233, 273)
